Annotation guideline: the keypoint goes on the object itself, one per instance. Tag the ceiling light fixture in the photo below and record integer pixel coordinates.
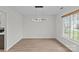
(39, 19)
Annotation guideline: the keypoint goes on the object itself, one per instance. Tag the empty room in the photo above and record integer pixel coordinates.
(39, 28)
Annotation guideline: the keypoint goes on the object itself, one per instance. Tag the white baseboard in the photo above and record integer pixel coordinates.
(65, 44)
(12, 45)
(38, 37)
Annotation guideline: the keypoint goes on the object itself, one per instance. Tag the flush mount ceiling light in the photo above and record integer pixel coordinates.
(39, 6)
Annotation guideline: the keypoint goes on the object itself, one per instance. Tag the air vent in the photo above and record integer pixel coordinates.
(39, 6)
(61, 8)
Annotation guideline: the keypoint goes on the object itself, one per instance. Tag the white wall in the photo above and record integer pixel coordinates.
(16, 29)
(2, 19)
(45, 29)
(69, 43)
(13, 26)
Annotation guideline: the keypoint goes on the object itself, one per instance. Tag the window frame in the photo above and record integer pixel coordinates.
(69, 38)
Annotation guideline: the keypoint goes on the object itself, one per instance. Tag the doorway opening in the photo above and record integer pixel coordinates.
(3, 33)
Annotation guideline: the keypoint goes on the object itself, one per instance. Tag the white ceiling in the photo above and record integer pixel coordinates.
(47, 10)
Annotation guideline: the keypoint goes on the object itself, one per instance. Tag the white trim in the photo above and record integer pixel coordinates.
(71, 44)
(73, 41)
(64, 44)
(39, 37)
(13, 44)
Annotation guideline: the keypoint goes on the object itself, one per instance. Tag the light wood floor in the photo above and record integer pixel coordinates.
(39, 45)
(1, 50)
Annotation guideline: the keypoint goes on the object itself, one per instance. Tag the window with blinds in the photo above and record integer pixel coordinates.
(71, 25)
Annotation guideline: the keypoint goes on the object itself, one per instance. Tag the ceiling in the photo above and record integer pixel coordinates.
(46, 11)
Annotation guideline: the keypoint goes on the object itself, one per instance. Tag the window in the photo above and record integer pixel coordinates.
(71, 26)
